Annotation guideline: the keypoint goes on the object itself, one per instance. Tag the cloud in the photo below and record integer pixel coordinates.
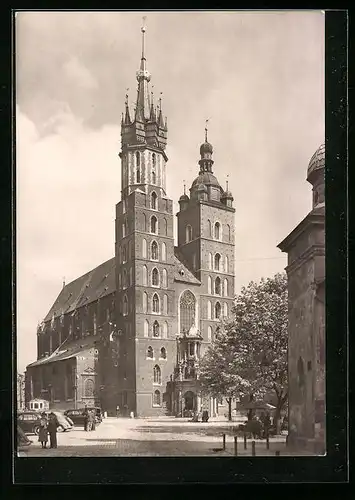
(79, 74)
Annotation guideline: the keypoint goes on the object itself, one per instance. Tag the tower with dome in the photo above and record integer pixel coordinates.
(131, 332)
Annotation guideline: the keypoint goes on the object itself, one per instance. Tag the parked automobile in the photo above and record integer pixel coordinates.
(29, 421)
(77, 415)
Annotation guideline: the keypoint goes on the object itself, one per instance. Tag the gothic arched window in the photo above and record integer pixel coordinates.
(145, 276)
(89, 388)
(217, 261)
(144, 223)
(150, 352)
(209, 284)
(165, 330)
(226, 264)
(217, 310)
(138, 175)
(165, 304)
(217, 230)
(225, 309)
(157, 398)
(209, 310)
(165, 227)
(153, 224)
(123, 230)
(155, 303)
(163, 353)
(188, 233)
(209, 333)
(187, 311)
(138, 159)
(163, 252)
(165, 278)
(217, 286)
(229, 232)
(154, 252)
(156, 375)
(125, 305)
(155, 277)
(146, 329)
(225, 291)
(124, 254)
(210, 260)
(153, 200)
(156, 332)
(144, 248)
(154, 159)
(124, 284)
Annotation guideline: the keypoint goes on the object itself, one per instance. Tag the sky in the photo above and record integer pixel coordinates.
(257, 76)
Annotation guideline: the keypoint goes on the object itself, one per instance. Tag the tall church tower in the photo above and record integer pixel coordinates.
(206, 242)
(144, 251)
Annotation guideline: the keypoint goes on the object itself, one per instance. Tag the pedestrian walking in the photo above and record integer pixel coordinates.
(86, 418)
(52, 429)
(117, 411)
(89, 422)
(205, 416)
(93, 421)
(43, 430)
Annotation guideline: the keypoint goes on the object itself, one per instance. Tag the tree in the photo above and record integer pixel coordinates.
(255, 344)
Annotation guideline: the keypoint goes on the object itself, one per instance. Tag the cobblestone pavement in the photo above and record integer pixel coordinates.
(153, 437)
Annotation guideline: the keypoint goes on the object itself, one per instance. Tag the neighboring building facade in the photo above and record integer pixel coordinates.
(131, 332)
(20, 391)
(305, 246)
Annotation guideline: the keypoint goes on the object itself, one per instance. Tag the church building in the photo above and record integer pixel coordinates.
(131, 332)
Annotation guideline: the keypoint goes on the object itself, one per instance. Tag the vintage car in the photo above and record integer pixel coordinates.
(77, 415)
(29, 421)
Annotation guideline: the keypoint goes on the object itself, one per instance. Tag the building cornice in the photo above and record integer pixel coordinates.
(311, 219)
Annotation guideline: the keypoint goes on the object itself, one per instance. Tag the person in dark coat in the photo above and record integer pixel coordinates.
(52, 429)
(43, 430)
(86, 418)
(90, 419)
(205, 416)
(93, 420)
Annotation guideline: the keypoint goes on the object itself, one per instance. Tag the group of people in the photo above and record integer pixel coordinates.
(201, 416)
(48, 426)
(89, 419)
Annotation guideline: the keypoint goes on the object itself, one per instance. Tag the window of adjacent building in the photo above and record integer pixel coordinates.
(225, 291)
(217, 261)
(163, 252)
(165, 304)
(165, 330)
(209, 310)
(156, 329)
(217, 310)
(155, 277)
(226, 264)
(150, 353)
(163, 353)
(153, 224)
(209, 284)
(153, 200)
(145, 276)
(154, 251)
(89, 388)
(217, 230)
(188, 235)
(157, 398)
(165, 278)
(155, 303)
(125, 306)
(225, 309)
(210, 259)
(145, 302)
(209, 333)
(157, 375)
(187, 311)
(209, 226)
(217, 286)
(123, 230)
(144, 248)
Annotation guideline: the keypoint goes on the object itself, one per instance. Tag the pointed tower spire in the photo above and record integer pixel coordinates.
(161, 120)
(143, 77)
(127, 119)
(152, 116)
(206, 130)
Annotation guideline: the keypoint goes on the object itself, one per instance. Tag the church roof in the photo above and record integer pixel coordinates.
(67, 350)
(93, 285)
(99, 283)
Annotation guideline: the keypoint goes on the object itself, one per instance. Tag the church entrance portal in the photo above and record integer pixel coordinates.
(189, 398)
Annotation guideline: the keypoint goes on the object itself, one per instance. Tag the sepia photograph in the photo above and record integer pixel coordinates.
(170, 233)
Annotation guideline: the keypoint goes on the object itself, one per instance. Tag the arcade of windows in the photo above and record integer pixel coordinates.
(215, 231)
(215, 263)
(154, 250)
(219, 287)
(217, 310)
(150, 353)
(155, 278)
(158, 331)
